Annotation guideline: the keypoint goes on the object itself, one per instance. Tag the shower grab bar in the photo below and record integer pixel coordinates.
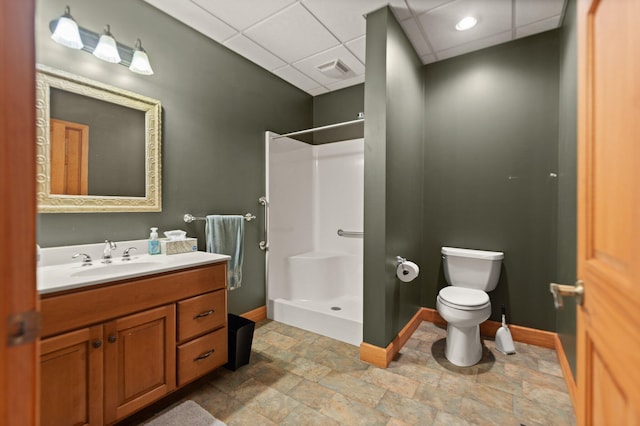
(343, 233)
(264, 244)
(188, 218)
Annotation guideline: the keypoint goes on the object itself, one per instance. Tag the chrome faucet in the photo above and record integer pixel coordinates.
(86, 261)
(126, 256)
(106, 253)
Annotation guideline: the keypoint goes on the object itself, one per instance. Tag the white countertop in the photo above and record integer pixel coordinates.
(67, 276)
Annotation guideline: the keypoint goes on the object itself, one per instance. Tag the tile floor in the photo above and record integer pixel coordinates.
(296, 377)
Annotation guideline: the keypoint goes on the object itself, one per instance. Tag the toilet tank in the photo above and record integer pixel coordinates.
(476, 269)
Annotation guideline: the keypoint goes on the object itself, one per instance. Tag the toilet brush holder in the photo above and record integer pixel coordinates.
(504, 341)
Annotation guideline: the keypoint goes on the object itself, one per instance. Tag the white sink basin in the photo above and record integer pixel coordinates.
(67, 276)
(115, 268)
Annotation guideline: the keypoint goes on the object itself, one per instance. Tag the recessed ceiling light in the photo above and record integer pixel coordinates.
(466, 23)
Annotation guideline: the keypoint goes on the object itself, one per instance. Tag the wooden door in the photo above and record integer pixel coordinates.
(19, 361)
(71, 378)
(608, 376)
(140, 360)
(69, 153)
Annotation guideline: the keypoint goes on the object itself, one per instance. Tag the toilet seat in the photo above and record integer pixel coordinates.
(465, 299)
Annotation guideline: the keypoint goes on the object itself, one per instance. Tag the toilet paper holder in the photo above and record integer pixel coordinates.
(400, 263)
(406, 270)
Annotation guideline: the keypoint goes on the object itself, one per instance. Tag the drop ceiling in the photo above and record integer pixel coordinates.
(291, 38)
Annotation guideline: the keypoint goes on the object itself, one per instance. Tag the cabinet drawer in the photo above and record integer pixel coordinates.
(201, 355)
(200, 314)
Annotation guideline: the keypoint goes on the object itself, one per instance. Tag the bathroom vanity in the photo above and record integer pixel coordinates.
(109, 348)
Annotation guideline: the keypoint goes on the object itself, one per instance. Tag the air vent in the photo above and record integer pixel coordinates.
(334, 69)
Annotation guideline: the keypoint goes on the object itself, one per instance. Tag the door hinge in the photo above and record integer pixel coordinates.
(23, 328)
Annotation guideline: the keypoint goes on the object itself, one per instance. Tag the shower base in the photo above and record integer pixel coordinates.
(339, 318)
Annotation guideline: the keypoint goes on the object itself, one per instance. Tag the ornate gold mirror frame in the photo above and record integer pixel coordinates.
(47, 78)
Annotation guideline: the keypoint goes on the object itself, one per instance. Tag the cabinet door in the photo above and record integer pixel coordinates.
(139, 360)
(71, 378)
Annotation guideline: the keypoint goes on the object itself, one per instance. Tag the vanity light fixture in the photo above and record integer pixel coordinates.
(107, 50)
(67, 32)
(140, 61)
(466, 23)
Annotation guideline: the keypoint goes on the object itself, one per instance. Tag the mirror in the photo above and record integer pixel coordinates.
(98, 146)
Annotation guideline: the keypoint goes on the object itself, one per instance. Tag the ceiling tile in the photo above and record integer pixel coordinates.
(412, 30)
(400, 9)
(358, 47)
(494, 16)
(241, 14)
(421, 6)
(292, 34)
(529, 11)
(427, 59)
(291, 37)
(538, 27)
(308, 65)
(347, 83)
(247, 48)
(318, 91)
(345, 19)
(295, 77)
(196, 18)
(475, 45)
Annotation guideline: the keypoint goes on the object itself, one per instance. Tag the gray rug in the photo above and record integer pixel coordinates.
(187, 413)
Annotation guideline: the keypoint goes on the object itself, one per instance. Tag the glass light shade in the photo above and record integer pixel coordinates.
(67, 33)
(466, 23)
(140, 61)
(107, 50)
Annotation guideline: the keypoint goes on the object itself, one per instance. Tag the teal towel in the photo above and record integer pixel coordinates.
(225, 235)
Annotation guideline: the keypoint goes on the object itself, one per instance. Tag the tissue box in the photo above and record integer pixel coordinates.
(187, 245)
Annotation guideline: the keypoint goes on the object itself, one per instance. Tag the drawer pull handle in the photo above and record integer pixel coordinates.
(112, 338)
(204, 314)
(205, 355)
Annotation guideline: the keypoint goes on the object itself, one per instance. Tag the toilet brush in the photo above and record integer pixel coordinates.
(504, 341)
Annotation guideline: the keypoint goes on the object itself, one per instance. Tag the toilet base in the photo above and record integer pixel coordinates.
(463, 346)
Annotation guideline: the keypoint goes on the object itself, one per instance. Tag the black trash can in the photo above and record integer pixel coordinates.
(240, 338)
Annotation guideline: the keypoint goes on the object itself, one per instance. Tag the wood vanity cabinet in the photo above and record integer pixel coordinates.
(129, 343)
(71, 378)
(139, 360)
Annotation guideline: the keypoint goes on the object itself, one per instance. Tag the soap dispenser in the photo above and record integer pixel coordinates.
(154, 242)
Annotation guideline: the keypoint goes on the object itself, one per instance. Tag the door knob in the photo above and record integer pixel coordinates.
(560, 290)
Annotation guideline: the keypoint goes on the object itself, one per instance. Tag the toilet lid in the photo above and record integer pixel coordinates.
(466, 297)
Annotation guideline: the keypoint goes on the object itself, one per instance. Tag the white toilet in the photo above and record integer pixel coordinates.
(464, 304)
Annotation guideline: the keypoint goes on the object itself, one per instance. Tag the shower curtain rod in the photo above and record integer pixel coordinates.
(315, 129)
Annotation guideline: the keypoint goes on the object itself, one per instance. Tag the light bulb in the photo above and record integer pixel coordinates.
(140, 61)
(466, 23)
(107, 50)
(67, 32)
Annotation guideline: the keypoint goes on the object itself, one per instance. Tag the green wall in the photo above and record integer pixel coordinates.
(567, 182)
(216, 107)
(438, 157)
(392, 177)
(490, 144)
(337, 107)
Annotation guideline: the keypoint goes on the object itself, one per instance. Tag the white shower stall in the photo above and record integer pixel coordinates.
(314, 275)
